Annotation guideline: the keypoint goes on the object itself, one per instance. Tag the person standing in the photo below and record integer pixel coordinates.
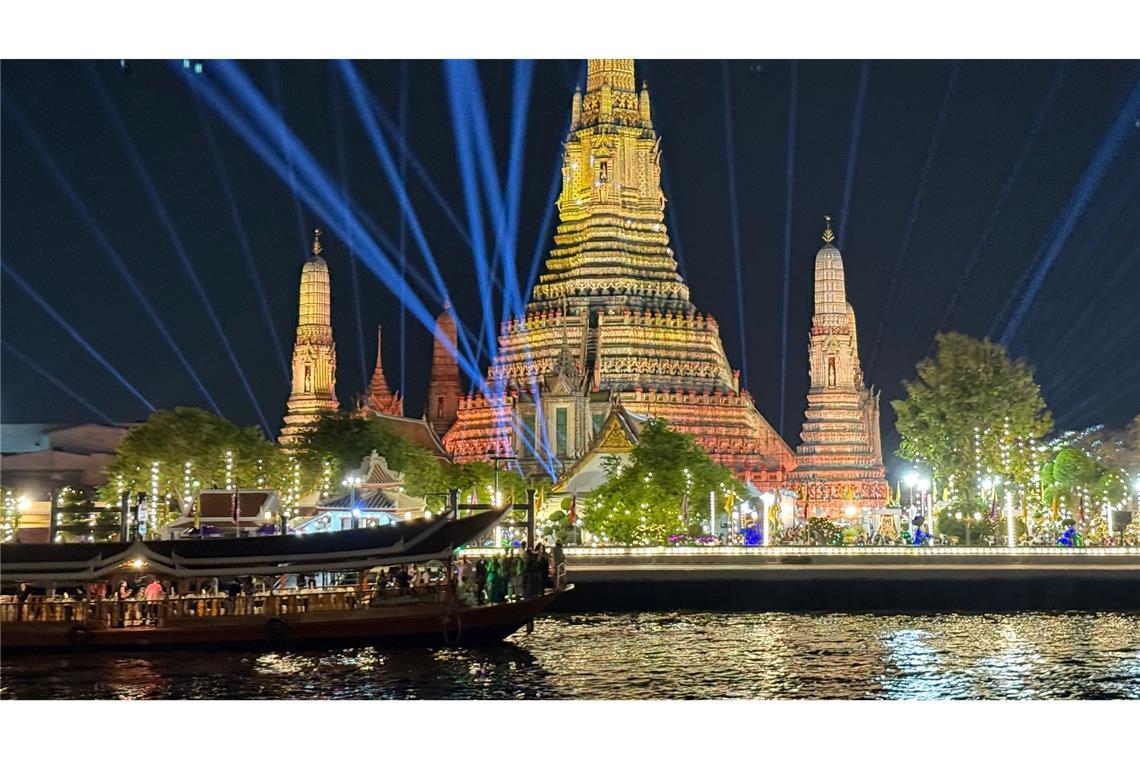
(153, 595)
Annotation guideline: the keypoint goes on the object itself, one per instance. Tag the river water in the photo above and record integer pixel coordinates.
(651, 656)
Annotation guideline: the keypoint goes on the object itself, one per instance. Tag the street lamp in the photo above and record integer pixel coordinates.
(352, 481)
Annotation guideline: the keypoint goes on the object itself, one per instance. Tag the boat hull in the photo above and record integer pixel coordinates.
(432, 624)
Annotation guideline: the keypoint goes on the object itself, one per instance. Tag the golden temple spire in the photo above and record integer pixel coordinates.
(828, 235)
(616, 72)
(317, 242)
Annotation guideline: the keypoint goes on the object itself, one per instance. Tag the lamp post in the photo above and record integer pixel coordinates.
(911, 481)
(352, 481)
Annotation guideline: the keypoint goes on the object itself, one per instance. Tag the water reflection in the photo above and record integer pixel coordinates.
(652, 656)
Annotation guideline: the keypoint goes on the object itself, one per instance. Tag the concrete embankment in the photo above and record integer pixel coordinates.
(832, 579)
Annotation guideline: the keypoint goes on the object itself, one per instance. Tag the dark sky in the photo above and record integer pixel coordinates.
(1081, 331)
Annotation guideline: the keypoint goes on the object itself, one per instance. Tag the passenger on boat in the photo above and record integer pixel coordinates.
(481, 580)
(153, 594)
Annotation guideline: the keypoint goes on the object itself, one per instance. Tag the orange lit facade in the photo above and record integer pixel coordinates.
(840, 460)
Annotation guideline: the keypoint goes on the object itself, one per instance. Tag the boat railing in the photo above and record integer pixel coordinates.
(122, 613)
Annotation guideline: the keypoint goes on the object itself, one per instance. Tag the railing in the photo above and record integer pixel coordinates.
(125, 613)
(662, 551)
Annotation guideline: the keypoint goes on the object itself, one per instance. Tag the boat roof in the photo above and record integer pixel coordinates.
(395, 544)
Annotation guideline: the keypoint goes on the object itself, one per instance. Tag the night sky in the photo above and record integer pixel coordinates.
(930, 168)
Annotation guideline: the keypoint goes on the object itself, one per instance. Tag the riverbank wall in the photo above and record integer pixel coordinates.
(841, 579)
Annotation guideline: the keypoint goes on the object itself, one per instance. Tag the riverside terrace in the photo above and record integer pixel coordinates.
(826, 578)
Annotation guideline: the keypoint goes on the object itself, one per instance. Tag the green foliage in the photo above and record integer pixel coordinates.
(640, 503)
(344, 441)
(970, 386)
(80, 518)
(174, 437)
(824, 531)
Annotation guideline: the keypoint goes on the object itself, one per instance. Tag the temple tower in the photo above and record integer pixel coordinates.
(380, 399)
(840, 457)
(314, 352)
(444, 390)
(610, 321)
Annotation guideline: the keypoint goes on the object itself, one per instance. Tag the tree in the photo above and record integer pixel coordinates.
(971, 411)
(80, 518)
(339, 442)
(189, 446)
(641, 501)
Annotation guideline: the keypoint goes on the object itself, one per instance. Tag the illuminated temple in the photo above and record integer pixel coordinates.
(610, 326)
(314, 353)
(840, 459)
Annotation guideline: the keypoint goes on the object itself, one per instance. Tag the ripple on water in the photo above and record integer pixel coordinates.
(652, 656)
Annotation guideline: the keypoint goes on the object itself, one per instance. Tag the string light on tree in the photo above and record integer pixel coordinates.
(229, 470)
(152, 512)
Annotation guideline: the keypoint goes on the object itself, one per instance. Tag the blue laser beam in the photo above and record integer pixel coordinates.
(789, 189)
(59, 320)
(391, 171)
(524, 73)
(175, 240)
(1003, 194)
(105, 244)
(1062, 228)
(56, 382)
(342, 169)
(298, 217)
(243, 239)
(456, 82)
(730, 150)
(916, 203)
(853, 146)
(402, 141)
(318, 192)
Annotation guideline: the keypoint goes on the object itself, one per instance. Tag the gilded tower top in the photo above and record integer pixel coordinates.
(616, 72)
(611, 249)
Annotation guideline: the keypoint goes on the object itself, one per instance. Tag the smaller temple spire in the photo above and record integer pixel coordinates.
(380, 399)
(317, 242)
(828, 235)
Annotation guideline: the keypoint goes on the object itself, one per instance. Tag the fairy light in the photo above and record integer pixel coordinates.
(1010, 538)
(326, 479)
(152, 513)
(187, 486)
(260, 474)
(229, 470)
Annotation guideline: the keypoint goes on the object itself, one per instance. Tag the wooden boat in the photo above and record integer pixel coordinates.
(433, 616)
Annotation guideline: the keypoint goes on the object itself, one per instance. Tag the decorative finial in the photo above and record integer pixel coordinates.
(828, 235)
(317, 242)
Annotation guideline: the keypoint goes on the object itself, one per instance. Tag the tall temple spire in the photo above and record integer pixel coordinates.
(840, 457)
(611, 244)
(444, 390)
(609, 323)
(380, 399)
(314, 352)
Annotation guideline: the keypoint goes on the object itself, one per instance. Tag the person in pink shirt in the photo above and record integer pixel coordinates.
(153, 593)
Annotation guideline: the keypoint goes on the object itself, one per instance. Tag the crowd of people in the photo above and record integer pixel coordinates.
(516, 574)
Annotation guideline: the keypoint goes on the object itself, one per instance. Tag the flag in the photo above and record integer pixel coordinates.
(898, 493)
(1056, 507)
(685, 508)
